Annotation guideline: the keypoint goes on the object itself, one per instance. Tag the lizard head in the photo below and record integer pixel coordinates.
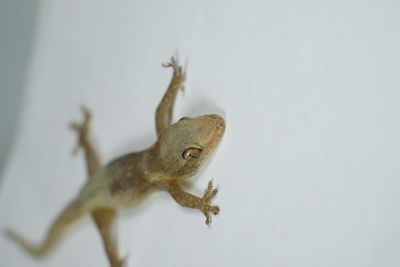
(185, 145)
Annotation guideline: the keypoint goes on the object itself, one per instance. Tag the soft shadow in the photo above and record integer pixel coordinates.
(17, 27)
(137, 144)
(203, 105)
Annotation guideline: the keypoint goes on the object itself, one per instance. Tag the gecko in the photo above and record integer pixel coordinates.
(180, 150)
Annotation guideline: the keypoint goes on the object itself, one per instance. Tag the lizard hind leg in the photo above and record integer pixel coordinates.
(83, 130)
(60, 226)
(103, 217)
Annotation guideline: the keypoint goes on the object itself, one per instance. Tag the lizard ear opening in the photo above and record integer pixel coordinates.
(191, 153)
(184, 118)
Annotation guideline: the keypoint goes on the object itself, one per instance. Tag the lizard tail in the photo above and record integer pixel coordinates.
(70, 214)
(27, 246)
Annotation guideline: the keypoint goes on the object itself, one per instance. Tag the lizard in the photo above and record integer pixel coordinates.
(180, 150)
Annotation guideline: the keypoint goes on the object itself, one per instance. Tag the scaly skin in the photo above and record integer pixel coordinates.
(179, 152)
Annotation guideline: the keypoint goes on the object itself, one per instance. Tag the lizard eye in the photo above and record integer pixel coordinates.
(184, 118)
(191, 153)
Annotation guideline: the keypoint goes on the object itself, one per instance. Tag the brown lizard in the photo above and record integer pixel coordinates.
(180, 150)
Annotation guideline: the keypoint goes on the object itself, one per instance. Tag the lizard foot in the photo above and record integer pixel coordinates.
(120, 263)
(82, 128)
(206, 208)
(179, 74)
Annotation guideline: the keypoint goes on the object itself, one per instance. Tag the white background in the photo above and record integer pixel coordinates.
(308, 170)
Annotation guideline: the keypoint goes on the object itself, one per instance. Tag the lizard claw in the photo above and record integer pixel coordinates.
(81, 128)
(209, 195)
(173, 63)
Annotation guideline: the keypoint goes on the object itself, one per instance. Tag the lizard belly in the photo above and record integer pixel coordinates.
(115, 190)
(128, 192)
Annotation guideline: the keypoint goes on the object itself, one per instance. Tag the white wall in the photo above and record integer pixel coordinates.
(308, 170)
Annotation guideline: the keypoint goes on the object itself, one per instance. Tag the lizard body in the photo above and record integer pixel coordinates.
(178, 153)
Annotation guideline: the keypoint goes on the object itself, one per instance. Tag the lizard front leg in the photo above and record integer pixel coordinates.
(164, 109)
(190, 201)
